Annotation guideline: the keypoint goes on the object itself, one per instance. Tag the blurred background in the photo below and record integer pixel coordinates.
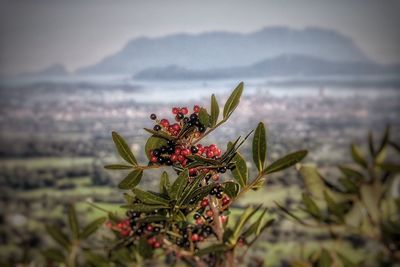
(319, 74)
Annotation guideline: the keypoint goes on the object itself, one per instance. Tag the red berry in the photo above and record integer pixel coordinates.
(199, 145)
(184, 163)
(175, 110)
(199, 221)
(153, 159)
(151, 240)
(204, 203)
(184, 111)
(224, 218)
(177, 151)
(164, 122)
(149, 228)
(209, 213)
(210, 154)
(195, 237)
(217, 152)
(192, 171)
(157, 245)
(176, 127)
(196, 109)
(185, 152)
(174, 158)
(181, 158)
(125, 232)
(212, 147)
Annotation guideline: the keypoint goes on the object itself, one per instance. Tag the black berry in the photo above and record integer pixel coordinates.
(157, 128)
(153, 116)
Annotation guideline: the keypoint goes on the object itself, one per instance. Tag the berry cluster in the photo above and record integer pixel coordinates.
(182, 121)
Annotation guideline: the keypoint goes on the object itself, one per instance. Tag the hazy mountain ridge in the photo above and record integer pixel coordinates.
(284, 65)
(212, 50)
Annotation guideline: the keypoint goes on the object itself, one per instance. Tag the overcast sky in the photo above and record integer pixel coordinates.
(37, 33)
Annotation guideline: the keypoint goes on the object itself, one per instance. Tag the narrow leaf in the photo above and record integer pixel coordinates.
(58, 236)
(311, 207)
(333, 207)
(212, 249)
(289, 213)
(204, 117)
(149, 197)
(231, 189)
(179, 184)
(233, 101)
(259, 146)
(54, 254)
(144, 207)
(123, 149)
(73, 221)
(351, 173)
(358, 156)
(371, 144)
(92, 227)
(240, 172)
(164, 183)
(131, 180)
(325, 259)
(152, 143)
(214, 111)
(118, 167)
(286, 162)
(385, 140)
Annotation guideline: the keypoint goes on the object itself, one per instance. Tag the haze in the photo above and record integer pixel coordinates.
(35, 34)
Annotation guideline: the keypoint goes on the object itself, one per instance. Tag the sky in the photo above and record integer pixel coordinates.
(76, 33)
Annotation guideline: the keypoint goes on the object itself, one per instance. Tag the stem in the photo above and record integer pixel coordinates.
(219, 230)
(71, 259)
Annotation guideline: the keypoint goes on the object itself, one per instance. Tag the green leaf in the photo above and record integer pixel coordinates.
(145, 250)
(144, 207)
(187, 193)
(231, 189)
(197, 158)
(159, 134)
(214, 111)
(216, 248)
(131, 180)
(252, 229)
(259, 147)
(351, 173)
(312, 180)
(233, 101)
(325, 259)
(289, 213)
(118, 167)
(53, 254)
(152, 143)
(390, 167)
(258, 184)
(123, 149)
(204, 117)
(349, 185)
(311, 207)
(92, 227)
(73, 221)
(152, 218)
(164, 183)
(371, 198)
(358, 156)
(345, 261)
(149, 197)
(286, 162)
(333, 207)
(240, 172)
(95, 259)
(246, 215)
(201, 192)
(385, 140)
(179, 184)
(371, 144)
(58, 236)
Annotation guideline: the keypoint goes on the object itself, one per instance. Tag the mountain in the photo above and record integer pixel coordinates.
(283, 65)
(226, 49)
(56, 69)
